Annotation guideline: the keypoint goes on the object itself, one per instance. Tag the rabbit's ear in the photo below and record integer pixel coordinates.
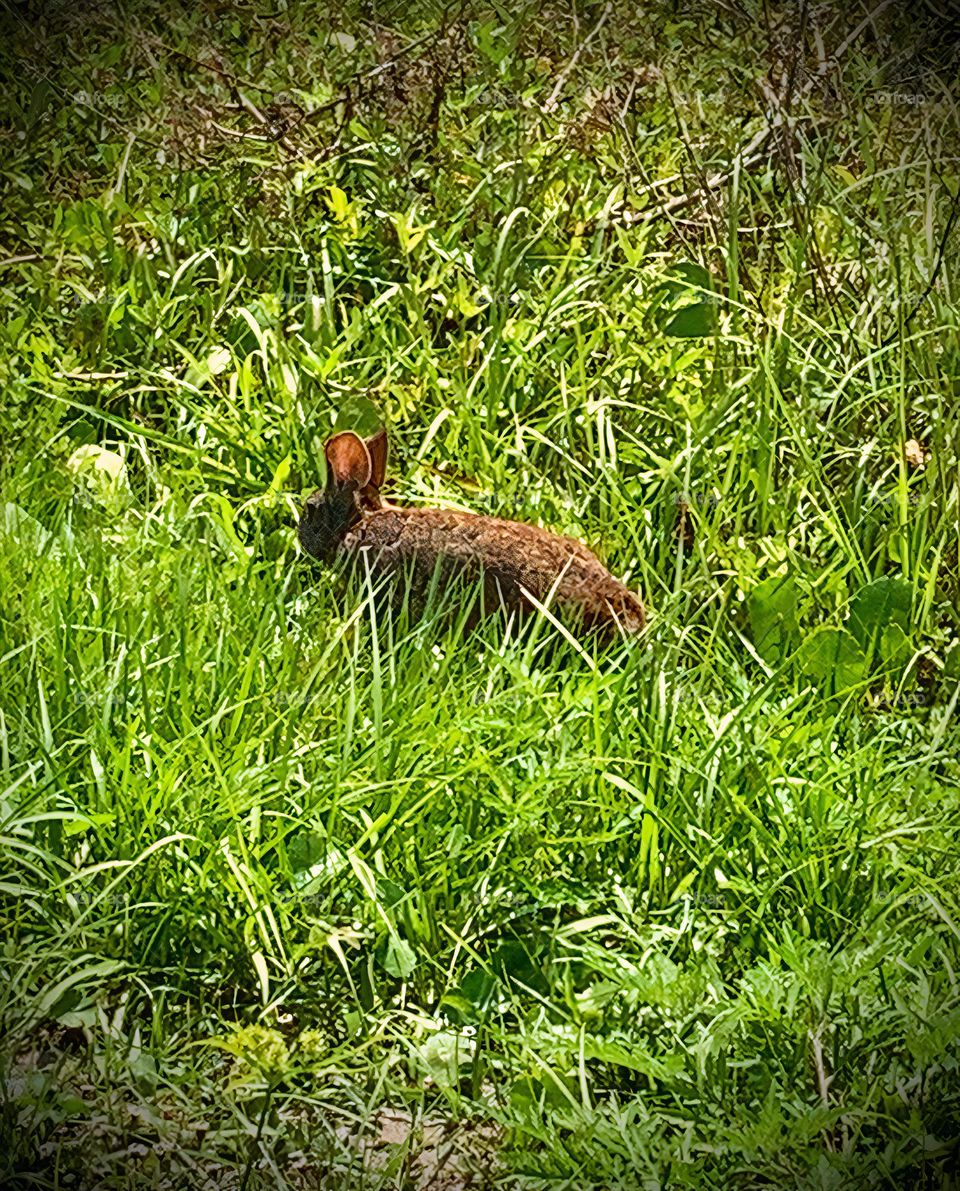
(377, 446)
(348, 460)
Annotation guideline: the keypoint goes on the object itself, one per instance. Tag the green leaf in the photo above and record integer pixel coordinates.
(66, 1003)
(881, 603)
(398, 958)
(84, 1017)
(40, 98)
(217, 360)
(773, 616)
(338, 203)
(71, 1105)
(478, 985)
(391, 894)
(346, 41)
(26, 531)
(685, 279)
(458, 1008)
(442, 1055)
(305, 849)
(359, 414)
(555, 1091)
(694, 274)
(54, 999)
(469, 1001)
(81, 824)
(488, 39)
(693, 322)
(314, 862)
(833, 656)
(143, 1068)
(636, 1057)
(512, 961)
(895, 647)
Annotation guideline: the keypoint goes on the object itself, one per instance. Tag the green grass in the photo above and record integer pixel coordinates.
(294, 897)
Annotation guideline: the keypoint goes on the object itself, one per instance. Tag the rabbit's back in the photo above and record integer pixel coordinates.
(512, 557)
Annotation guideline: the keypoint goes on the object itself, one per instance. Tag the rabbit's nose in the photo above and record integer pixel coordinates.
(314, 500)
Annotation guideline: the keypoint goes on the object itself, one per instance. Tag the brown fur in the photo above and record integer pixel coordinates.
(511, 557)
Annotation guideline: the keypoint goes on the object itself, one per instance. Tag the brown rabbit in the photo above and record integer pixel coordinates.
(518, 563)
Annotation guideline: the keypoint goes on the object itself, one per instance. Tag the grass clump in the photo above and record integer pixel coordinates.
(292, 896)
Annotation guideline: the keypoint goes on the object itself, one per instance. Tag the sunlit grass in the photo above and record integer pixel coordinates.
(297, 895)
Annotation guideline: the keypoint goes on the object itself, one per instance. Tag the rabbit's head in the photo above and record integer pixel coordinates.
(355, 470)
